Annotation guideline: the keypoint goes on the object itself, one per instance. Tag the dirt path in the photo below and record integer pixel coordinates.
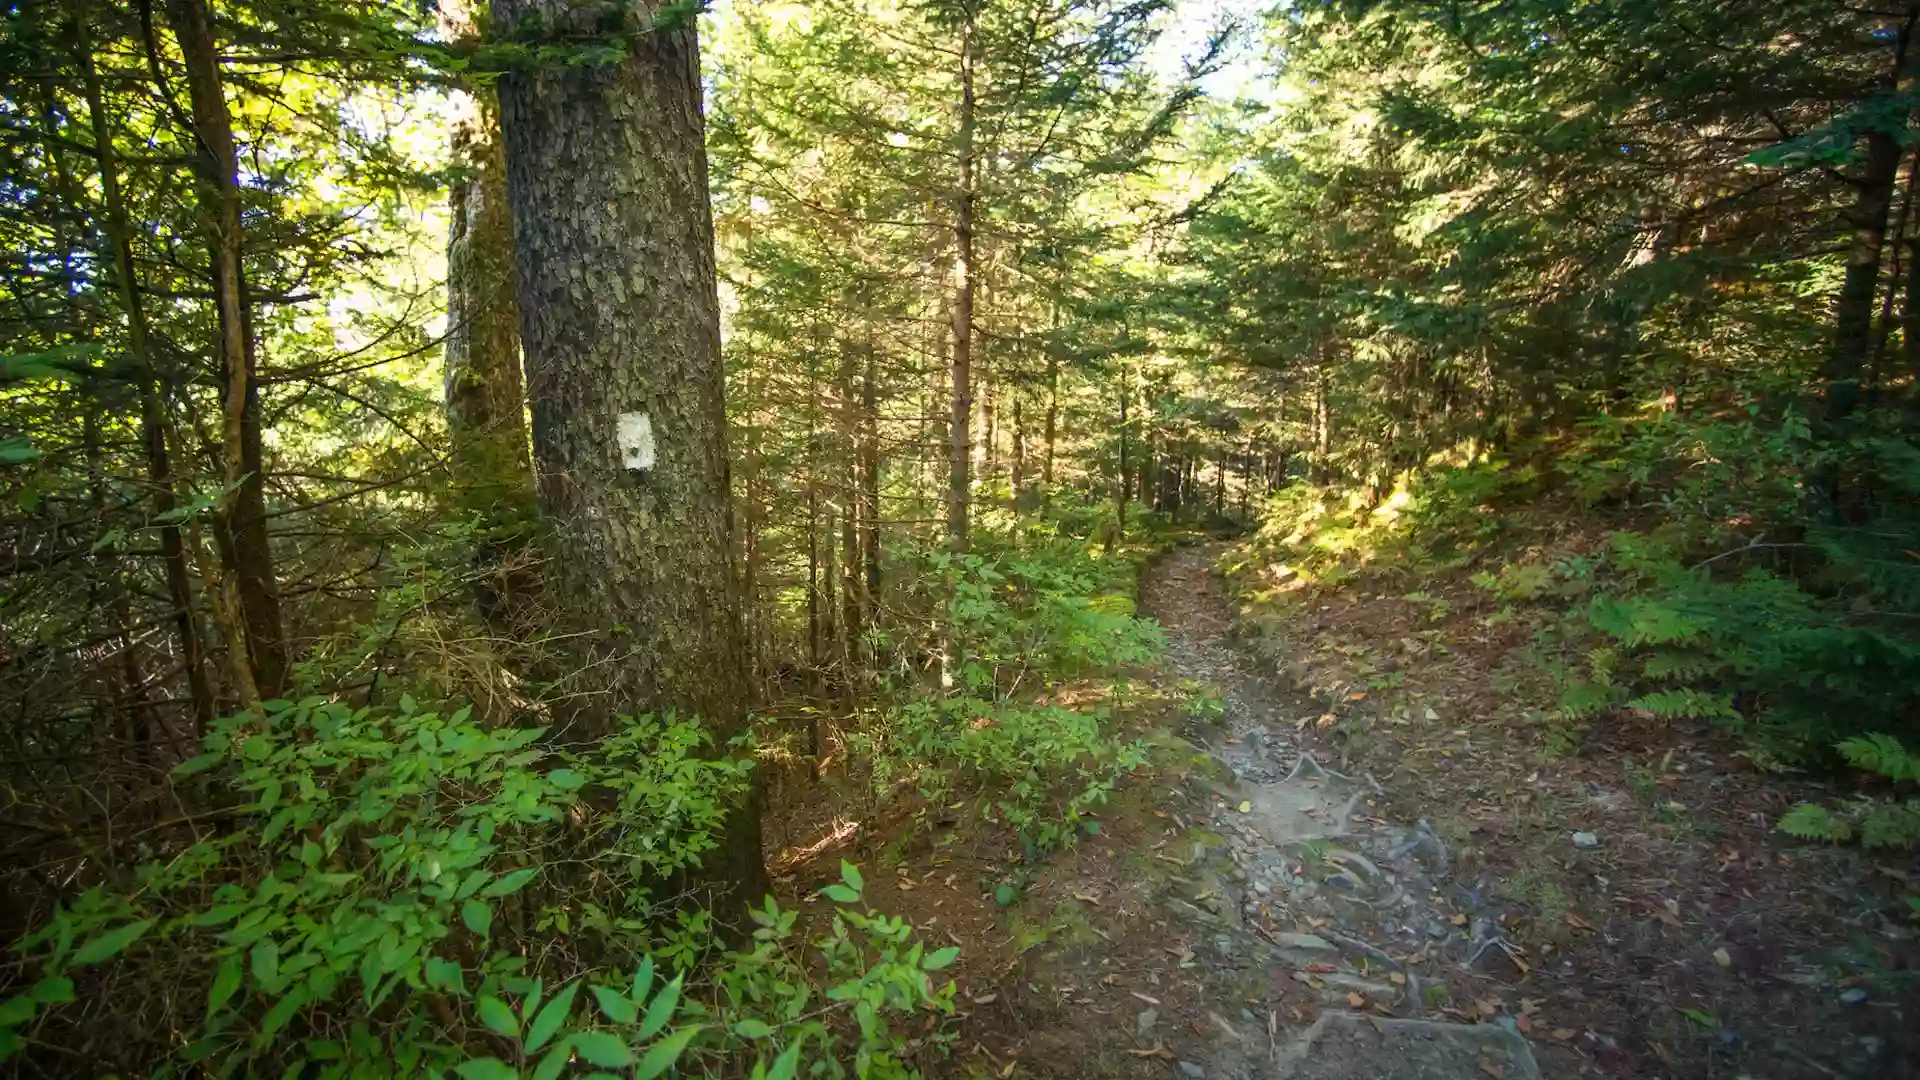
(1368, 952)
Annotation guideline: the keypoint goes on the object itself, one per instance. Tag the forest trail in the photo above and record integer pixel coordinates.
(1305, 893)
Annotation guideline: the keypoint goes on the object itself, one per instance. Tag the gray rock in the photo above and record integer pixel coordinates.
(1191, 1071)
(1853, 997)
(1143, 1023)
(1586, 840)
(1304, 942)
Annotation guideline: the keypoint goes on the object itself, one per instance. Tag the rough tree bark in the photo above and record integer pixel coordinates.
(241, 531)
(485, 394)
(620, 320)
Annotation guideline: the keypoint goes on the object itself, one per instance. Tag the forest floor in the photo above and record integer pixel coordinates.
(1351, 866)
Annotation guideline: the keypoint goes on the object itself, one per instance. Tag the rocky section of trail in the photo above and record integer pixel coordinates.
(1345, 943)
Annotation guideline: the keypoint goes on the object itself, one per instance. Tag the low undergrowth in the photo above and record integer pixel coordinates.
(1668, 567)
(402, 892)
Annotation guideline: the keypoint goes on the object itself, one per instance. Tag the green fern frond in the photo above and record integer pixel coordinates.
(1686, 703)
(1883, 755)
(1811, 821)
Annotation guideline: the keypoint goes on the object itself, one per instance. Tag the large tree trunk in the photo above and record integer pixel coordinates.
(959, 433)
(620, 319)
(153, 418)
(241, 532)
(485, 395)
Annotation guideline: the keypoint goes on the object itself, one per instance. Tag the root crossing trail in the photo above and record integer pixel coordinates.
(1369, 953)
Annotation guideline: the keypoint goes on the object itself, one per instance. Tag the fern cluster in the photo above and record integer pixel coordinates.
(1888, 823)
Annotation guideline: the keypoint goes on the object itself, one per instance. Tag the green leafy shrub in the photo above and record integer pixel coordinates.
(1019, 621)
(877, 973)
(372, 909)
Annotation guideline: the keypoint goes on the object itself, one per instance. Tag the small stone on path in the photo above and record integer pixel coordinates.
(1191, 1071)
(1586, 840)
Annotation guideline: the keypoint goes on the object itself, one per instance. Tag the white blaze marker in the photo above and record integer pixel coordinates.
(636, 441)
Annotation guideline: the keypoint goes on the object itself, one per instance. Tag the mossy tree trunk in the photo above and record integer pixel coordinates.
(485, 393)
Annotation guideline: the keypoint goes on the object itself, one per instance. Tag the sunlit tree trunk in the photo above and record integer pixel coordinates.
(485, 392)
(620, 320)
(960, 433)
(241, 532)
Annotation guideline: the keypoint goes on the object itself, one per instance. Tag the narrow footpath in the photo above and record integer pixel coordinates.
(1368, 954)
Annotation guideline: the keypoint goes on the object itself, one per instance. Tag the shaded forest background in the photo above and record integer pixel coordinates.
(343, 654)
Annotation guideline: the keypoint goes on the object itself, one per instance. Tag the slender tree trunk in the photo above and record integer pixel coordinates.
(1853, 311)
(1845, 372)
(870, 480)
(847, 471)
(153, 420)
(1126, 436)
(1052, 422)
(1910, 320)
(815, 639)
(960, 432)
(242, 530)
(485, 393)
(1018, 477)
(620, 320)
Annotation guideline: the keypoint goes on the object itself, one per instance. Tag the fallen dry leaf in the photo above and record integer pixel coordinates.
(1563, 1034)
(1458, 919)
(1145, 998)
(1397, 979)
(1524, 1024)
(1154, 1051)
(1355, 1000)
(1493, 1069)
(1722, 957)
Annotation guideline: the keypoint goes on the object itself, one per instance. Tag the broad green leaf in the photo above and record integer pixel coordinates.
(751, 1028)
(555, 1062)
(478, 917)
(511, 883)
(850, 874)
(661, 1010)
(266, 965)
(566, 779)
(661, 1055)
(941, 958)
(17, 1010)
(551, 1016)
(486, 1069)
(225, 983)
(472, 883)
(499, 1017)
(602, 1048)
(619, 1008)
(840, 894)
(198, 764)
(53, 990)
(443, 974)
(788, 1063)
(291, 1002)
(642, 980)
(111, 944)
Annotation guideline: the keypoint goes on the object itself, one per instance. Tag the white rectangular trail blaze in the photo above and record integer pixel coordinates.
(636, 441)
